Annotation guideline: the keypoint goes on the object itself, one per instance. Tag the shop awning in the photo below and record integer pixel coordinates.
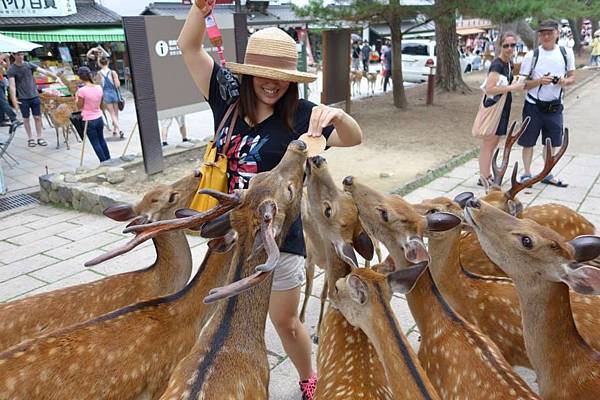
(106, 34)
(469, 31)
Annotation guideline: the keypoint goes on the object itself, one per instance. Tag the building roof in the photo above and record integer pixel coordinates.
(88, 14)
(384, 29)
(274, 15)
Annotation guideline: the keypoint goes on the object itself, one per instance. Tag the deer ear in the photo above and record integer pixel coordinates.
(364, 245)
(514, 207)
(442, 221)
(217, 227)
(462, 198)
(120, 212)
(345, 251)
(403, 280)
(357, 289)
(586, 247)
(583, 280)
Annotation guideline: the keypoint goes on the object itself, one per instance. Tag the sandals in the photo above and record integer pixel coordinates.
(524, 177)
(31, 143)
(42, 142)
(549, 180)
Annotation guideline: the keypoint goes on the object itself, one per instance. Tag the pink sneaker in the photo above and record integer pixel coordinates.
(308, 387)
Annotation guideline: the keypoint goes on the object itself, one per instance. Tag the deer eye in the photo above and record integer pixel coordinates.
(433, 211)
(327, 212)
(154, 200)
(527, 242)
(384, 214)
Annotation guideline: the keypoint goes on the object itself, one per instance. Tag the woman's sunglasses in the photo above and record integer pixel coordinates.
(507, 45)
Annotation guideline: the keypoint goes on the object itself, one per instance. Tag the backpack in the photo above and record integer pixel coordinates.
(547, 106)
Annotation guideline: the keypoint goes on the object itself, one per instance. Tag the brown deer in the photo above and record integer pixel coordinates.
(451, 348)
(363, 297)
(46, 312)
(563, 220)
(229, 359)
(355, 81)
(543, 266)
(129, 353)
(347, 362)
(60, 117)
(371, 80)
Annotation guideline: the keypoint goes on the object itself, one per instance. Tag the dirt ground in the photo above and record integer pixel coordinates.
(398, 144)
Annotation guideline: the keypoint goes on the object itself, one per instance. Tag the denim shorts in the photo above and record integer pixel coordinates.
(289, 273)
(35, 105)
(549, 124)
(110, 96)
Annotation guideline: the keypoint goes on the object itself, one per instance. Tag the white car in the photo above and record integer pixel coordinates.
(418, 54)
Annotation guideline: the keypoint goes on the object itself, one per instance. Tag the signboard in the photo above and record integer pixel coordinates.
(336, 66)
(37, 8)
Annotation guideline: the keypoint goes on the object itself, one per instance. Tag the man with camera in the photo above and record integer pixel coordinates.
(548, 69)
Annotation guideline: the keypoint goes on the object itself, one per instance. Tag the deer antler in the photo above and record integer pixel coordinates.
(148, 231)
(511, 139)
(549, 163)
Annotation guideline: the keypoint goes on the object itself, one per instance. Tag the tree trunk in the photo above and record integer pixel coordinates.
(397, 79)
(521, 28)
(448, 70)
(576, 29)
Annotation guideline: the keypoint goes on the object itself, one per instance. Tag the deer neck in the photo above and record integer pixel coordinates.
(394, 351)
(336, 267)
(445, 257)
(173, 265)
(551, 338)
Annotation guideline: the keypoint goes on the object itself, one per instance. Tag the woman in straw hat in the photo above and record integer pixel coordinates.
(270, 117)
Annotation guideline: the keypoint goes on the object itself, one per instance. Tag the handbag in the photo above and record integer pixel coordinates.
(487, 119)
(78, 123)
(214, 165)
(121, 100)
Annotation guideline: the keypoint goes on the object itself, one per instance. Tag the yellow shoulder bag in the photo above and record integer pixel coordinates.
(214, 165)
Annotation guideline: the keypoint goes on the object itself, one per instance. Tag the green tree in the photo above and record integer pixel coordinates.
(391, 13)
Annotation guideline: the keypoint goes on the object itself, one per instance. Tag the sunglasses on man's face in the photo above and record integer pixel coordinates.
(507, 45)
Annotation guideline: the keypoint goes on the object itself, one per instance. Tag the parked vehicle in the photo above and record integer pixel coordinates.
(419, 54)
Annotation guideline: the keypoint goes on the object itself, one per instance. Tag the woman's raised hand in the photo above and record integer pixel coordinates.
(322, 116)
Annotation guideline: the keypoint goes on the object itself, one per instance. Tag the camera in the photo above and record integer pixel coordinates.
(555, 79)
(229, 87)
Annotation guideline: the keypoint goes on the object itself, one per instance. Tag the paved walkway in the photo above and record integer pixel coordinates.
(43, 248)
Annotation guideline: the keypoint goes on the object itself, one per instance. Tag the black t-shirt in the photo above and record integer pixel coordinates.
(260, 149)
(504, 69)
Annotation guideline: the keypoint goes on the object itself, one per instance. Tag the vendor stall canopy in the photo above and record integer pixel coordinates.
(65, 35)
(12, 45)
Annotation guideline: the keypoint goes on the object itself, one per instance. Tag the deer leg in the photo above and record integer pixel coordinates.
(310, 277)
(57, 137)
(65, 130)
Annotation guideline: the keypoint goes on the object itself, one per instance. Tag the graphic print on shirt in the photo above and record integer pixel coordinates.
(242, 158)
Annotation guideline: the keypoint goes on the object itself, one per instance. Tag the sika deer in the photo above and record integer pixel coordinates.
(451, 348)
(347, 362)
(46, 312)
(129, 353)
(563, 220)
(542, 264)
(229, 359)
(363, 297)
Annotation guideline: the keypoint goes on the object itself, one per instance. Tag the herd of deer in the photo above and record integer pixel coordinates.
(356, 78)
(486, 280)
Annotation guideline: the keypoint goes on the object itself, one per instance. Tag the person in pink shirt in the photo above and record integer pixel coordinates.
(89, 98)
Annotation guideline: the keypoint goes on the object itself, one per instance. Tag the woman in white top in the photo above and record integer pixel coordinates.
(110, 84)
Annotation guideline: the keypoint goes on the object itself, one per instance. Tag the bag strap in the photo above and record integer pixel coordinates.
(233, 107)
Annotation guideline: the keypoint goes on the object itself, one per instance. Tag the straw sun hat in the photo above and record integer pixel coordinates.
(271, 53)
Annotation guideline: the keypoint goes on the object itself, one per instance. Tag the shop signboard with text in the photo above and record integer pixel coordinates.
(37, 8)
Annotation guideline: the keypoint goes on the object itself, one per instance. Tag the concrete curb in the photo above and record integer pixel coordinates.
(436, 172)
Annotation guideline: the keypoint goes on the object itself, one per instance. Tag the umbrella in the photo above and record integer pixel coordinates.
(11, 45)
(355, 37)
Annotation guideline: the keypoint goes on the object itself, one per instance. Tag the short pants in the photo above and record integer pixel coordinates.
(289, 273)
(35, 105)
(166, 123)
(550, 124)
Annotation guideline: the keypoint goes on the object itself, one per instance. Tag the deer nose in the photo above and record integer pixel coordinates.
(474, 203)
(299, 144)
(317, 161)
(348, 181)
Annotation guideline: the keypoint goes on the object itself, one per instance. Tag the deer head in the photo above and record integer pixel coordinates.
(335, 214)
(393, 221)
(527, 251)
(357, 293)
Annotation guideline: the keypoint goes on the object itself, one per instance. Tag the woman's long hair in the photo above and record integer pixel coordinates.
(285, 106)
(85, 74)
(502, 38)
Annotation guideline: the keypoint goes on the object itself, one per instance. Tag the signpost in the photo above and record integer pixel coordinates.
(37, 8)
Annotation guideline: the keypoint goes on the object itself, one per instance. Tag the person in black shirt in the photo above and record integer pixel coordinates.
(270, 117)
(499, 83)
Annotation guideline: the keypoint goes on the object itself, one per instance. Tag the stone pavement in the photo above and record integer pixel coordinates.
(43, 248)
